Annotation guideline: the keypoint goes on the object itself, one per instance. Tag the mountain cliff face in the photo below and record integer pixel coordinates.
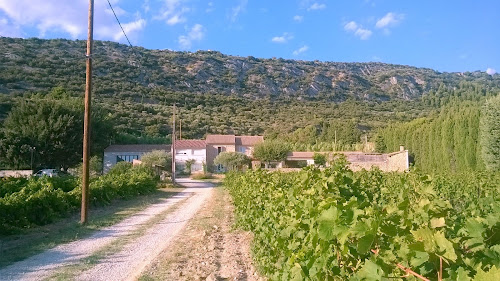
(39, 65)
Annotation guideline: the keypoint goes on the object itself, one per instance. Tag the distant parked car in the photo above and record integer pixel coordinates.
(48, 173)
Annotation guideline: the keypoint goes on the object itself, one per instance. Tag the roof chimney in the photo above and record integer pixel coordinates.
(401, 148)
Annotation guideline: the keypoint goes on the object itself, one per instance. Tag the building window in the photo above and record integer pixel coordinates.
(219, 150)
(242, 149)
(126, 158)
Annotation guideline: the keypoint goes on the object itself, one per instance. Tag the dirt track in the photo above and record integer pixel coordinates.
(144, 242)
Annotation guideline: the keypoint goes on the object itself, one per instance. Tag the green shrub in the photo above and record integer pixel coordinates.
(158, 158)
(232, 160)
(38, 201)
(319, 159)
(120, 168)
(11, 185)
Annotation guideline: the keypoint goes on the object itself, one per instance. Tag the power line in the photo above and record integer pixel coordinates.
(119, 23)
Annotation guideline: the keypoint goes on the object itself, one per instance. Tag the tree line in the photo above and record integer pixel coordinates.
(47, 131)
(462, 137)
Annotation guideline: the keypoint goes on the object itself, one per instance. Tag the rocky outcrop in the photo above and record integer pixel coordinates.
(36, 64)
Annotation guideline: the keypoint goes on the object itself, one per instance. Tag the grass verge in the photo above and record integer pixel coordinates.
(17, 247)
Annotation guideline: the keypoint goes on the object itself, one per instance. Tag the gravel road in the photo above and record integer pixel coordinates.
(128, 263)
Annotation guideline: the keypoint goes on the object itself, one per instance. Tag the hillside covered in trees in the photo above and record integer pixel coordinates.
(301, 101)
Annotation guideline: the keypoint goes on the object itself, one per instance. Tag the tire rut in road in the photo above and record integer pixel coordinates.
(128, 263)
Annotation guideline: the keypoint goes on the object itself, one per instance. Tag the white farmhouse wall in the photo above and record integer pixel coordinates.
(199, 155)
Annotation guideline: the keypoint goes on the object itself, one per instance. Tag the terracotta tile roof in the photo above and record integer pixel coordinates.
(249, 140)
(136, 147)
(352, 156)
(221, 139)
(300, 155)
(190, 144)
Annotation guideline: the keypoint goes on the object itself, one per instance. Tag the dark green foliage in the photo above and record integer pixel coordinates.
(53, 126)
(95, 167)
(447, 142)
(159, 158)
(38, 201)
(232, 160)
(323, 135)
(271, 150)
(380, 144)
(319, 159)
(325, 224)
(490, 134)
(120, 168)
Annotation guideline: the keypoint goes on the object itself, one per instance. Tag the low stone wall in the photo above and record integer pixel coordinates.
(15, 173)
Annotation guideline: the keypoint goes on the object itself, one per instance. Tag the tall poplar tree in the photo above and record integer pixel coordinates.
(490, 133)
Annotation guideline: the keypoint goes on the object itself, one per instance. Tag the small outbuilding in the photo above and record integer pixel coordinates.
(128, 152)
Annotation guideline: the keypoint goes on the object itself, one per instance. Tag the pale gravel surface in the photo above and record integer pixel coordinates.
(131, 261)
(43, 265)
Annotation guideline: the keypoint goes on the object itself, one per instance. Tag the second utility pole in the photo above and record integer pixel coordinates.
(173, 149)
(86, 121)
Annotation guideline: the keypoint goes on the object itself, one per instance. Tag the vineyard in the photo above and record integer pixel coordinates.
(37, 201)
(334, 224)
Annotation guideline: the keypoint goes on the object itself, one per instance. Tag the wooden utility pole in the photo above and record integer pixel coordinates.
(86, 122)
(335, 139)
(173, 148)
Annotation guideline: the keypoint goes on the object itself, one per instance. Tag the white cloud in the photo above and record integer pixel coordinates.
(175, 19)
(358, 30)
(282, 39)
(390, 19)
(118, 11)
(300, 50)
(491, 71)
(236, 11)
(298, 18)
(69, 17)
(351, 26)
(316, 6)
(130, 28)
(172, 12)
(196, 33)
(363, 34)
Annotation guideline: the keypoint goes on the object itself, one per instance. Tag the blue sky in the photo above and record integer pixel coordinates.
(456, 35)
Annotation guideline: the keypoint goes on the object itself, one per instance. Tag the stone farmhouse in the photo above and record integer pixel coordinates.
(203, 152)
(387, 162)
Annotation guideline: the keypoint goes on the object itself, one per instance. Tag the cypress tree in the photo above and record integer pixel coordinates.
(490, 134)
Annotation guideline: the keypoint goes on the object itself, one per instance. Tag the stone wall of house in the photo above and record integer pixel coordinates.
(212, 152)
(398, 161)
(358, 166)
